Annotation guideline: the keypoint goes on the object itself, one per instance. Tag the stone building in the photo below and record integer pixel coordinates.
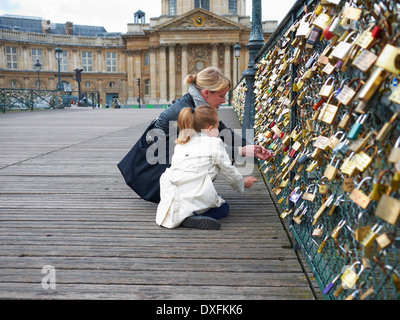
(188, 36)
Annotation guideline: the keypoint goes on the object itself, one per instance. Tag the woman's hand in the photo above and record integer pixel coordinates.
(249, 181)
(256, 151)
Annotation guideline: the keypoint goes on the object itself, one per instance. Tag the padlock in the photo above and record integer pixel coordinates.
(387, 128)
(362, 160)
(304, 27)
(344, 47)
(336, 231)
(318, 231)
(360, 143)
(336, 28)
(321, 211)
(367, 57)
(389, 58)
(350, 277)
(308, 196)
(328, 111)
(327, 88)
(334, 140)
(369, 239)
(322, 21)
(322, 187)
(372, 84)
(357, 127)
(394, 155)
(347, 93)
(314, 37)
(305, 156)
(312, 166)
(323, 244)
(331, 285)
(295, 196)
(388, 208)
(395, 277)
(384, 240)
(379, 188)
(349, 167)
(335, 205)
(331, 169)
(342, 147)
(360, 197)
(298, 218)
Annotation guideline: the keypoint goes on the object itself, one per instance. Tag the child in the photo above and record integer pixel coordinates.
(188, 196)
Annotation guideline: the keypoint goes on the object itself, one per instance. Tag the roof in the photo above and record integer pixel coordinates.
(34, 24)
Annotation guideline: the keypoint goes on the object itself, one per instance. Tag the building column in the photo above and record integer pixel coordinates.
(214, 60)
(172, 72)
(138, 74)
(227, 67)
(131, 79)
(184, 67)
(153, 75)
(163, 73)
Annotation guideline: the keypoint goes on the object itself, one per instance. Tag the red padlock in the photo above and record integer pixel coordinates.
(319, 104)
(377, 32)
(327, 34)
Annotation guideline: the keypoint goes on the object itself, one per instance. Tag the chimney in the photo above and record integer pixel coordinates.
(69, 29)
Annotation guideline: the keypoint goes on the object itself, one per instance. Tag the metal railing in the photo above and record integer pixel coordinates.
(335, 174)
(32, 99)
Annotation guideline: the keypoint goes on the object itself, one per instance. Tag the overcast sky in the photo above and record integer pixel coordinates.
(114, 15)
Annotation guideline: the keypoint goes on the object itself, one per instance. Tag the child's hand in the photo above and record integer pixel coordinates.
(249, 181)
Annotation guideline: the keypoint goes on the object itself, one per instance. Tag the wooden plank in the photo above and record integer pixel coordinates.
(64, 203)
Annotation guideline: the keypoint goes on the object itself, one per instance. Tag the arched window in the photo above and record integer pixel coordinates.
(232, 7)
(172, 7)
(205, 4)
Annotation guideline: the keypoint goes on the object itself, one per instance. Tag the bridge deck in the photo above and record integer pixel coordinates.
(64, 203)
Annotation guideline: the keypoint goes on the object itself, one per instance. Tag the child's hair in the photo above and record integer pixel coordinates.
(209, 78)
(193, 120)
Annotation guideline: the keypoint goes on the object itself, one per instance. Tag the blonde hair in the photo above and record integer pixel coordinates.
(209, 78)
(193, 120)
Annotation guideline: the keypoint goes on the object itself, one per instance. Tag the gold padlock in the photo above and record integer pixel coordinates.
(362, 160)
(360, 197)
(388, 209)
(389, 59)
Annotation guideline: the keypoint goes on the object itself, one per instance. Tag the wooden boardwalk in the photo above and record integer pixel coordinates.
(63, 203)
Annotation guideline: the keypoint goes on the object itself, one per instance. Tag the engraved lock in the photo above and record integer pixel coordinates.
(328, 111)
(389, 58)
(360, 197)
(394, 155)
(327, 88)
(357, 127)
(308, 196)
(322, 187)
(367, 58)
(332, 169)
(347, 93)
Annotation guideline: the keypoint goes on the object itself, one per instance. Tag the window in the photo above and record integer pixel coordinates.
(87, 61)
(12, 58)
(172, 7)
(88, 85)
(205, 4)
(37, 54)
(111, 62)
(232, 7)
(64, 62)
(147, 87)
(147, 59)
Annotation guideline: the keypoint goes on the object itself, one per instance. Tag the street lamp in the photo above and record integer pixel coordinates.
(236, 51)
(58, 52)
(37, 67)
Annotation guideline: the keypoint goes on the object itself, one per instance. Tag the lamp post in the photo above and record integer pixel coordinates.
(236, 51)
(37, 67)
(58, 53)
(256, 41)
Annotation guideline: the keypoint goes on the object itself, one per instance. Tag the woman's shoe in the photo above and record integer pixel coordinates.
(201, 222)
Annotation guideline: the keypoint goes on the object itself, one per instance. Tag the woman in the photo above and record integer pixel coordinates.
(208, 87)
(188, 196)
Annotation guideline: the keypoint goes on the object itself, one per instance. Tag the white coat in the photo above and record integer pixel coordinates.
(187, 186)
